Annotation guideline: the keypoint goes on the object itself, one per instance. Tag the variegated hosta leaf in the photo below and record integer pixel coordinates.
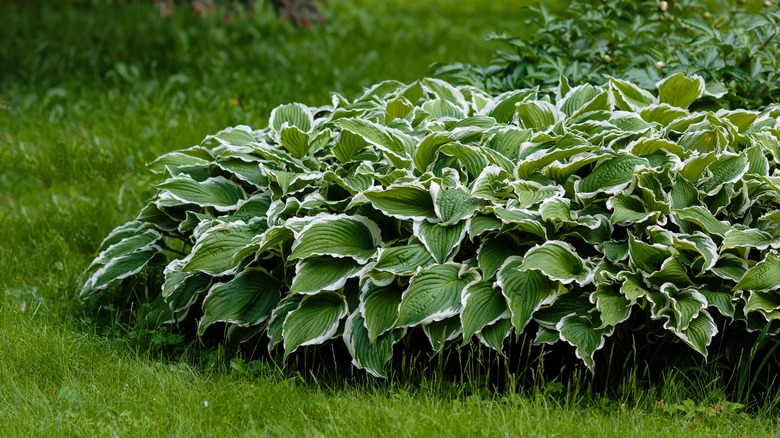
(453, 205)
(583, 334)
(764, 276)
(403, 260)
(379, 308)
(217, 192)
(441, 332)
(440, 241)
(214, 252)
(483, 304)
(369, 354)
(356, 237)
(525, 291)
(403, 202)
(323, 273)
(613, 306)
(610, 176)
(680, 90)
(315, 321)
(493, 335)
(558, 261)
(293, 114)
(245, 300)
(492, 253)
(433, 295)
(119, 268)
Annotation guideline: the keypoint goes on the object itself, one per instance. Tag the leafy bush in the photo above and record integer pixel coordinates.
(441, 209)
(641, 41)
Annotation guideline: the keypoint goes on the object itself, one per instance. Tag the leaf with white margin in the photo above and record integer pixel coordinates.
(183, 158)
(741, 118)
(730, 267)
(217, 192)
(472, 158)
(628, 96)
(764, 276)
(508, 140)
(699, 333)
(701, 217)
(295, 141)
(247, 299)
(181, 289)
(680, 90)
(558, 261)
(483, 304)
(662, 113)
(683, 194)
(389, 140)
(379, 308)
(323, 273)
(713, 139)
(428, 148)
(522, 218)
(403, 201)
(441, 241)
(481, 224)
(278, 315)
(446, 91)
(356, 237)
(491, 185)
(580, 332)
(433, 295)
(613, 251)
(214, 253)
(441, 332)
(646, 257)
(628, 210)
(749, 238)
(504, 106)
(442, 109)
(403, 260)
(119, 268)
(133, 242)
(315, 321)
(348, 145)
(646, 146)
(759, 165)
(538, 114)
(369, 354)
(525, 291)
(610, 176)
(726, 169)
(541, 158)
(453, 205)
(493, 335)
(723, 301)
(292, 114)
(765, 303)
(530, 193)
(701, 243)
(240, 135)
(556, 210)
(671, 271)
(577, 97)
(492, 253)
(613, 306)
(685, 305)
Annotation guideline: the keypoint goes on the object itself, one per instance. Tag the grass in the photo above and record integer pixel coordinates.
(90, 92)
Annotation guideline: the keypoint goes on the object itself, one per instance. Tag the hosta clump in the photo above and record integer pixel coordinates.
(441, 209)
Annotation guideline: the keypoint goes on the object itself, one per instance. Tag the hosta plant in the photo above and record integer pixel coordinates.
(731, 47)
(445, 210)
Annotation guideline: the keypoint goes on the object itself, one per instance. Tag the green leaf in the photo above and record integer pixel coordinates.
(680, 90)
(403, 260)
(121, 267)
(441, 332)
(428, 148)
(278, 315)
(504, 106)
(699, 333)
(433, 295)
(314, 321)
(348, 145)
(295, 141)
(704, 141)
(492, 253)
(483, 305)
(133, 242)
(217, 192)
(764, 276)
(613, 306)
(453, 205)
(356, 237)
(726, 169)
(472, 158)
(181, 289)
(379, 308)
(245, 300)
(628, 210)
(214, 252)
(389, 140)
(493, 335)
(730, 267)
(538, 114)
(403, 202)
(293, 114)
(766, 303)
(646, 257)
(749, 238)
(611, 175)
(581, 332)
(628, 96)
(558, 261)
(397, 109)
(525, 291)
(703, 218)
(662, 113)
(237, 136)
(507, 141)
(323, 273)
(683, 194)
(441, 241)
(543, 157)
(369, 354)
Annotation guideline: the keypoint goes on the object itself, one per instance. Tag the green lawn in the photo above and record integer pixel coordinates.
(90, 92)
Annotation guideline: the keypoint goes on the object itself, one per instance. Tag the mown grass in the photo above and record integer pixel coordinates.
(90, 92)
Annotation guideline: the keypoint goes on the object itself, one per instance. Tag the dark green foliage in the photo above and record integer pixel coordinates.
(732, 48)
